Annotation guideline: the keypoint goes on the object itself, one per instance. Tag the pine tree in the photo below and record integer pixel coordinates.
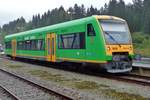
(104, 10)
(77, 12)
(146, 15)
(62, 15)
(83, 11)
(92, 11)
(137, 11)
(112, 7)
(70, 13)
(120, 9)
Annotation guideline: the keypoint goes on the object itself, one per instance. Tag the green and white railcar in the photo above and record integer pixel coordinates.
(100, 39)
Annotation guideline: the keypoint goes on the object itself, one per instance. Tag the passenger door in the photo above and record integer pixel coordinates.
(51, 47)
(13, 43)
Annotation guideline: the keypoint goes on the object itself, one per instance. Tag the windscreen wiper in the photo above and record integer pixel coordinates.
(112, 38)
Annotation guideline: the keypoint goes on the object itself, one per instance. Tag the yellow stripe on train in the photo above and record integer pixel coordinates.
(119, 48)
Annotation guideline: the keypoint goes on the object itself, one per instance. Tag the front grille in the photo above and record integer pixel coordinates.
(121, 56)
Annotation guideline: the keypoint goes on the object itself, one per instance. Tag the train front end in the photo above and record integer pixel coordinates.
(118, 44)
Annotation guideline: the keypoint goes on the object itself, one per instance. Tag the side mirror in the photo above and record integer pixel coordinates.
(137, 57)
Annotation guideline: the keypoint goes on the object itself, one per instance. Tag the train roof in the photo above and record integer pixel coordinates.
(61, 25)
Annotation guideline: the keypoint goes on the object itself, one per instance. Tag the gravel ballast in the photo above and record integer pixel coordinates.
(22, 89)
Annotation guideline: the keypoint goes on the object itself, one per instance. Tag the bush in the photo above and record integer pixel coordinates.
(141, 43)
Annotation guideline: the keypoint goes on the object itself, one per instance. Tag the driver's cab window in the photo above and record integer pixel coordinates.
(90, 30)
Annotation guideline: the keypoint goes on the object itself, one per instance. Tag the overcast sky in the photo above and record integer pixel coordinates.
(13, 9)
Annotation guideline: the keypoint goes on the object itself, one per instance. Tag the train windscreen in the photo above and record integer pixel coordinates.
(115, 31)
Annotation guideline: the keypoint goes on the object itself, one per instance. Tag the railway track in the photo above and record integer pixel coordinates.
(130, 78)
(138, 79)
(5, 94)
(58, 96)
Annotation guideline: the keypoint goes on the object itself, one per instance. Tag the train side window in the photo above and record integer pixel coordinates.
(33, 45)
(19, 45)
(40, 44)
(90, 30)
(23, 45)
(72, 41)
(66, 41)
(8, 45)
(28, 45)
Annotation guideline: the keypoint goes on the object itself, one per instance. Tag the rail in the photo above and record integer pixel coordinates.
(13, 96)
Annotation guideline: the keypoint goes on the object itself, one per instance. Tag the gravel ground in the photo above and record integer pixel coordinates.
(22, 89)
(101, 88)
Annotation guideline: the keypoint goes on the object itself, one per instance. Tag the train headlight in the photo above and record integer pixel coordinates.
(108, 48)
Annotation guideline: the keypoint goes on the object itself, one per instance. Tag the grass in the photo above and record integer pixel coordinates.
(141, 43)
(106, 90)
(15, 66)
(86, 85)
(143, 51)
(47, 75)
(122, 95)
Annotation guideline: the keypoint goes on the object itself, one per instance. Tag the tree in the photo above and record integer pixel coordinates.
(129, 17)
(70, 13)
(47, 18)
(77, 12)
(0, 29)
(137, 11)
(121, 9)
(62, 15)
(92, 11)
(104, 10)
(83, 11)
(54, 16)
(112, 7)
(36, 21)
(146, 15)
(0, 35)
